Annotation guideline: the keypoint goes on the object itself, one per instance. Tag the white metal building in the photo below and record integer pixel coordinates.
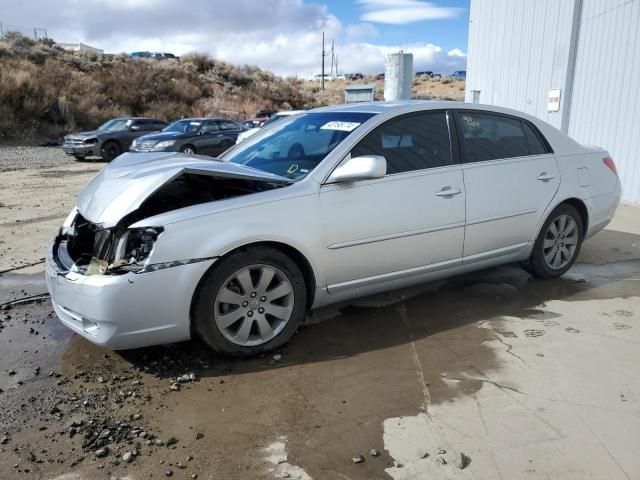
(80, 47)
(572, 63)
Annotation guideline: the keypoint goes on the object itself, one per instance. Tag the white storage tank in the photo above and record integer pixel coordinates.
(398, 76)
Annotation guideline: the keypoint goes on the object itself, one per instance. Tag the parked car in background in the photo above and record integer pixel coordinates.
(278, 116)
(165, 56)
(354, 76)
(424, 74)
(204, 136)
(111, 138)
(379, 196)
(380, 76)
(459, 75)
(144, 54)
(266, 113)
(254, 123)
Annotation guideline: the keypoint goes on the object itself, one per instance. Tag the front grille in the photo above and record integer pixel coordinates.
(73, 141)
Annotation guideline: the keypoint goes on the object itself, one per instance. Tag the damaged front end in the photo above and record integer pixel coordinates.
(98, 239)
(86, 248)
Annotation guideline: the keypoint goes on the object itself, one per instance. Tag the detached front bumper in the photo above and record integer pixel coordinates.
(126, 311)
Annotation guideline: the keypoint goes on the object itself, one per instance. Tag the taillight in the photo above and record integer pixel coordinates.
(608, 161)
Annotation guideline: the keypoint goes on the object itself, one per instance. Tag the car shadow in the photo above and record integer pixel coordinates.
(403, 316)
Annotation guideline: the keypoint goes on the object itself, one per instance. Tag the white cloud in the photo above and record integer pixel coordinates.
(284, 36)
(456, 52)
(401, 12)
(359, 31)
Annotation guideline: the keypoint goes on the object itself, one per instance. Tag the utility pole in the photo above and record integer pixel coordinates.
(333, 55)
(322, 75)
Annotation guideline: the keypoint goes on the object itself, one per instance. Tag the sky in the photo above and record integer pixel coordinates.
(283, 36)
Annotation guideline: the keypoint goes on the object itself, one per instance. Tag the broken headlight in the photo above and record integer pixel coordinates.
(133, 249)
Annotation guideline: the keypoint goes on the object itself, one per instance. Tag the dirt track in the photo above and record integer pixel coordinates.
(526, 378)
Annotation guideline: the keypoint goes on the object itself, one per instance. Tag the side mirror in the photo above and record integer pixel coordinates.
(365, 167)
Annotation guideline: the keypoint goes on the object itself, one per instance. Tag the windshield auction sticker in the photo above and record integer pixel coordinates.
(343, 126)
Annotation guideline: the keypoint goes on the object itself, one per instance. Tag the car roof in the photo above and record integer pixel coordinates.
(413, 105)
(204, 119)
(139, 118)
(290, 112)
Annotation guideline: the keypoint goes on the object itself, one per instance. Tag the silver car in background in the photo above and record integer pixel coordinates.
(376, 196)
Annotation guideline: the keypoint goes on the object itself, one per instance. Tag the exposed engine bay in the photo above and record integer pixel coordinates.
(91, 249)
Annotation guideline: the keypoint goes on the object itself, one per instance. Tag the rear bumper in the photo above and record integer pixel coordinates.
(126, 311)
(602, 208)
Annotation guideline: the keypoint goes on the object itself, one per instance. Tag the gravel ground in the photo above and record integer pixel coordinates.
(18, 158)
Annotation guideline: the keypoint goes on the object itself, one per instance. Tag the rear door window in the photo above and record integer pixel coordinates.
(410, 142)
(228, 125)
(490, 137)
(534, 142)
(210, 127)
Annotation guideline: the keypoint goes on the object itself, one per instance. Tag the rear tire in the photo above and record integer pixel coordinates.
(250, 302)
(558, 243)
(110, 150)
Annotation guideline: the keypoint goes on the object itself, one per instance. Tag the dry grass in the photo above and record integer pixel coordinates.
(423, 89)
(46, 92)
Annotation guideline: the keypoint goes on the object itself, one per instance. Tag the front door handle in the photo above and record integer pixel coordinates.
(545, 177)
(220, 135)
(449, 192)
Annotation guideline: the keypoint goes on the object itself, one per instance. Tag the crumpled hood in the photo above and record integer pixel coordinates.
(122, 186)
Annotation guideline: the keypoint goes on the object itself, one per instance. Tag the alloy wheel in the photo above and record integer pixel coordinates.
(560, 242)
(254, 305)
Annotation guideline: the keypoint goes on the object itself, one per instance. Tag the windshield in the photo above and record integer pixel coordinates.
(184, 126)
(119, 125)
(294, 146)
(275, 118)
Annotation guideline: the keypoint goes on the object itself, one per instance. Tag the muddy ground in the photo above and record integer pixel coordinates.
(506, 376)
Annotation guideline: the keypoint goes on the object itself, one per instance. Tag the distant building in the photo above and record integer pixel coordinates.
(360, 93)
(572, 63)
(79, 47)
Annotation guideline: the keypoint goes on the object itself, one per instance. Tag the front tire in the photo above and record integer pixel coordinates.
(110, 150)
(188, 150)
(250, 302)
(558, 243)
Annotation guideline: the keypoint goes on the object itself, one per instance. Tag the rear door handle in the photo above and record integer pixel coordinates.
(545, 177)
(449, 192)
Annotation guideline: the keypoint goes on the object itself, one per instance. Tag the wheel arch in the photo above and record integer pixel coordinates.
(582, 209)
(575, 202)
(114, 140)
(296, 255)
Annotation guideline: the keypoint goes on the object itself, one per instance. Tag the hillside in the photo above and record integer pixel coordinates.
(46, 92)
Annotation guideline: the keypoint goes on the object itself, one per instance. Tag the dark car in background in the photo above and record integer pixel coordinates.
(204, 136)
(111, 138)
(459, 75)
(424, 74)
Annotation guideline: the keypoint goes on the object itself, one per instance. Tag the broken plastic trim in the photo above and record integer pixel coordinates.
(154, 267)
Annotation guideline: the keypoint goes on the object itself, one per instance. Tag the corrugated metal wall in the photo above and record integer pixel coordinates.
(520, 49)
(605, 110)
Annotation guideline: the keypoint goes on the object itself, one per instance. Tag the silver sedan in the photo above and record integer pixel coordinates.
(321, 207)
